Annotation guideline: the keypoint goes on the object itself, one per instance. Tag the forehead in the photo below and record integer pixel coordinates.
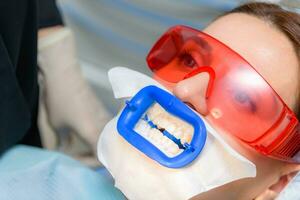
(268, 50)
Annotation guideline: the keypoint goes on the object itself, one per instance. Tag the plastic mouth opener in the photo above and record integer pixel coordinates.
(136, 109)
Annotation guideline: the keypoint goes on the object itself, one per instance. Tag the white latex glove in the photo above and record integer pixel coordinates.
(70, 104)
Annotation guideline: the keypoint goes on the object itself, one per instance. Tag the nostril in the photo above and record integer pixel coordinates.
(190, 105)
(199, 107)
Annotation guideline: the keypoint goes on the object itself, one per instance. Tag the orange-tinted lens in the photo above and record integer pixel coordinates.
(241, 102)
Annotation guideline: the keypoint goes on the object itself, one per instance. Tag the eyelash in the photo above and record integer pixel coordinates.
(183, 55)
(185, 52)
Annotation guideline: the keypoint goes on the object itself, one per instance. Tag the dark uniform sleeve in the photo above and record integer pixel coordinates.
(19, 92)
(18, 73)
(49, 14)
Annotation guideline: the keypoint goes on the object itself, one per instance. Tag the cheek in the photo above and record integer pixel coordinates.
(245, 150)
(268, 171)
(247, 188)
(265, 166)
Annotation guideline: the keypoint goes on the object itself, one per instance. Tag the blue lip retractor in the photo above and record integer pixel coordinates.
(135, 110)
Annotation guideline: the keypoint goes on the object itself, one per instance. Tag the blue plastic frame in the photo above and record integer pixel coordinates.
(138, 105)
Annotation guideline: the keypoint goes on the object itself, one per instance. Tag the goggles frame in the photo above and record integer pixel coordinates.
(279, 138)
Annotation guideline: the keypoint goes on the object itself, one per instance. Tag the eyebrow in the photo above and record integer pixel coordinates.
(204, 44)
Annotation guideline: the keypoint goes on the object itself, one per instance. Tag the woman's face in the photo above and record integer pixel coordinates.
(271, 53)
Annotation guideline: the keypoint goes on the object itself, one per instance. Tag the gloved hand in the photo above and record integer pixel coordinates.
(70, 104)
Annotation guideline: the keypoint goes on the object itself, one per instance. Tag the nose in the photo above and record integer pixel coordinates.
(193, 91)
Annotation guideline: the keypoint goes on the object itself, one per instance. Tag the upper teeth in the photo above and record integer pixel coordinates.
(162, 119)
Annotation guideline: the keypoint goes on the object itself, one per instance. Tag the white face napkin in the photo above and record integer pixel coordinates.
(139, 177)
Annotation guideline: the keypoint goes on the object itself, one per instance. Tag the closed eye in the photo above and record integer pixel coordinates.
(244, 100)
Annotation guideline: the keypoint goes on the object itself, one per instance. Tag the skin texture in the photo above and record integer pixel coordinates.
(47, 31)
(271, 53)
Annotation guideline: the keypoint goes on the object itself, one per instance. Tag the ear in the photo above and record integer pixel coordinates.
(288, 172)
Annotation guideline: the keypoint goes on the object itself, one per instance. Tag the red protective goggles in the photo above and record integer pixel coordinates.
(239, 100)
